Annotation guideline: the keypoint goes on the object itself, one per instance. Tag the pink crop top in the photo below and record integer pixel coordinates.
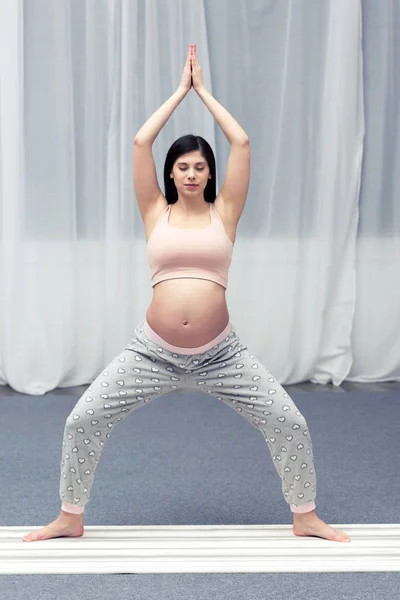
(204, 253)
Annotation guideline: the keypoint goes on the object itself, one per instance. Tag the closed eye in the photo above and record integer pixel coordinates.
(184, 169)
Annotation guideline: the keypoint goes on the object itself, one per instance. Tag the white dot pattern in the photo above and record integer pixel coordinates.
(144, 371)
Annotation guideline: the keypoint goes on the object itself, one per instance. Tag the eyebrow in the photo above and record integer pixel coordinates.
(200, 162)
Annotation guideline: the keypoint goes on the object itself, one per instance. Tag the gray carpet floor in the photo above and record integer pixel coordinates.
(189, 459)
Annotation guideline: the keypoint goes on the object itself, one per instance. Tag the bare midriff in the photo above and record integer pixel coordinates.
(188, 312)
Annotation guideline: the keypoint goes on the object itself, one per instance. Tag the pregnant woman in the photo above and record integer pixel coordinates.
(187, 340)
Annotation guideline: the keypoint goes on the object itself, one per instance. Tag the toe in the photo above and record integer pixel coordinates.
(342, 537)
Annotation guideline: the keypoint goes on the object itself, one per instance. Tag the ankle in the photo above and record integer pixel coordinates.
(67, 516)
(306, 515)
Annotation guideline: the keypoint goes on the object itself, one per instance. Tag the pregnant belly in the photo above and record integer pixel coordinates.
(188, 312)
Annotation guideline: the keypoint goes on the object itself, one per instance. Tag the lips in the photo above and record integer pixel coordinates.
(190, 185)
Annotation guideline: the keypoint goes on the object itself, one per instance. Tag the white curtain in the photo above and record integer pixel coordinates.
(314, 285)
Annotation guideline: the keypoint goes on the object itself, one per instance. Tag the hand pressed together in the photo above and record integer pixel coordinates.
(197, 74)
(192, 75)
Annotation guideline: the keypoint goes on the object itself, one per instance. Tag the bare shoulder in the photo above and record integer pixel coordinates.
(219, 205)
(153, 214)
(229, 219)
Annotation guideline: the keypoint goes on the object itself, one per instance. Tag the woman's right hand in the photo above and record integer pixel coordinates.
(186, 81)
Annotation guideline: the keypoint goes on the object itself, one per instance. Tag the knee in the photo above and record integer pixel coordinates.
(78, 417)
(295, 421)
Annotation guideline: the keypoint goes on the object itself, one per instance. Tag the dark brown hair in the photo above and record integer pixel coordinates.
(183, 145)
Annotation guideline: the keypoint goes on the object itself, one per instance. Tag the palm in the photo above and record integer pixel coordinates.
(197, 75)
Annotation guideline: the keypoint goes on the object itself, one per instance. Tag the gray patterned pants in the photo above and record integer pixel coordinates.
(224, 368)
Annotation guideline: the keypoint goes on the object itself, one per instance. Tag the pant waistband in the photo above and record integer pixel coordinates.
(154, 337)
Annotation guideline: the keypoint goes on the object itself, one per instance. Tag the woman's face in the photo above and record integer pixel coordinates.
(191, 168)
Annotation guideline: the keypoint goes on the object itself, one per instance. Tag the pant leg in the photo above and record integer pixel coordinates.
(132, 379)
(238, 379)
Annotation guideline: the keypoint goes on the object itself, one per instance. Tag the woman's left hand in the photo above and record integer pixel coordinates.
(197, 75)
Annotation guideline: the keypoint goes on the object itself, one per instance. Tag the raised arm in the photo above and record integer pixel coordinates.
(237, 176)
(150, 130)
(145, 181)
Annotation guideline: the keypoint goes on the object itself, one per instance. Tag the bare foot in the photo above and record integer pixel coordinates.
(308, 524)
(61, 527)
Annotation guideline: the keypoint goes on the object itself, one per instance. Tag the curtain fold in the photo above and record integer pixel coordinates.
(314, 285)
